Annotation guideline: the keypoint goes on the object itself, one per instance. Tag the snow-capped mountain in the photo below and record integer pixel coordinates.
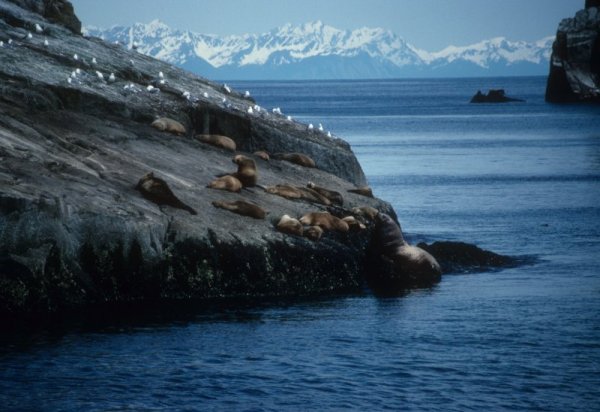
(317, 51)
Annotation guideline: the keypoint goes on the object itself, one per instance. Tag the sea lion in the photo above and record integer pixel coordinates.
(290, 226)
(227, 182)
(157, 191)
(295, 192)
(353, 223)
(217, 140)
(409, 262)
(241, 207)
(262, 154)
(368, 212)
(166, 124)
(363, 191)
(313, 233)
(297, 158)
(332, 195)
(325, 220)
(247, 172)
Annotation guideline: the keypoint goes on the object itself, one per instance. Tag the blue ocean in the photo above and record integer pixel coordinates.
(521, 179)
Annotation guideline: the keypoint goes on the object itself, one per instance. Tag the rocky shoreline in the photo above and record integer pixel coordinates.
(75, 138)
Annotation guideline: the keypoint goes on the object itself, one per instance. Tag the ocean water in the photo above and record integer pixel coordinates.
(517, 178)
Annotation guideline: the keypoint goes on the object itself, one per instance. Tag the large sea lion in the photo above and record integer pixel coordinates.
(157, 191)
(333, 196)
(241, 207)
(290, 225)
(412, 265)
(353, 223)
(325, 220)
(366, 212)
(313, 233)
(295, 192)
(297, 158)
(227, 182)
(217, 140)
(247, 172)
(166, 124)
(363, 191)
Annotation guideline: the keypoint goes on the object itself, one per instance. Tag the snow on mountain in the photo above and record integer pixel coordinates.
(316, 50)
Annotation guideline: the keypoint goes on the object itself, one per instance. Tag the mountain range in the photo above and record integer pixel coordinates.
(318, 51)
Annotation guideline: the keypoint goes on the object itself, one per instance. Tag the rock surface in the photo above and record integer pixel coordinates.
(575, 62)
(74, 230)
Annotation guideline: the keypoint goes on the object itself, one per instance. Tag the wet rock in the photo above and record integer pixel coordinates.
(493, 96)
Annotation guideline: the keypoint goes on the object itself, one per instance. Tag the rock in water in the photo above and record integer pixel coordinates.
(575, 63)
(493, 96)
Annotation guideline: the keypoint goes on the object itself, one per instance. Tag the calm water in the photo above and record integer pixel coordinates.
(519, 179)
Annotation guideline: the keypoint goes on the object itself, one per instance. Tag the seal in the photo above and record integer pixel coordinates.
(290, 226)
(411, 264)
(217, 140)
(297, 158)
(366, 212)
(353, 223)
(262, 154)
(325, 220)
(247, 172)
(156, 190)
(241, 207)
(363, 191)
(313, 233)
(227, 182)
(166, 124)
(333, 196)
(295, 192)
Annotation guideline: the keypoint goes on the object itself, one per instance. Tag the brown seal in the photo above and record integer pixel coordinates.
(325, 220)
(262, 154)
(166, 124)
(217, 140)
(366, 212)
(363, 191)
(333, 196)
(295, 192)
(157, 191)
(241, 207)
(353, 223)
(227, 182)
(313, 233)
(290, 226)
(247, 172)
(297, 158)
(408, 261)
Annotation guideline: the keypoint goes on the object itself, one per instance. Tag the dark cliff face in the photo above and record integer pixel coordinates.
(575, 63)
(74, 230)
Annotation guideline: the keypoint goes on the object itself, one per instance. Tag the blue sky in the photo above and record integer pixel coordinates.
(428, 24)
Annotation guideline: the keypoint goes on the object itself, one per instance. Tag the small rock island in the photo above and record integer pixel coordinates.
(493, 96)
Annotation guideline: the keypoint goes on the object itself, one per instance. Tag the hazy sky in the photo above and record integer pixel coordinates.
(428, 24)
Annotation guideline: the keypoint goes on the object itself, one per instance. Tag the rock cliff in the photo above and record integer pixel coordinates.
(575, 62)
(74, 142)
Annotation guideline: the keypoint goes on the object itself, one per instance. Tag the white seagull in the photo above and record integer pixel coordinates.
(46, 43)
(227, 89)
(161, 75)
(310, 126)
(94, 60)
(111, 78)
(289, 118)
(29, 36)
(100, 75)
(247, 94)
(38, 28)
(205, 95)
(250, 110)
(320, 127)
(75, 56)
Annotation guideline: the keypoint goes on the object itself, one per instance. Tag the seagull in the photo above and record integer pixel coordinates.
(257, 108)
(100, 75)
(310, 126)
(320, 127)
(46, 43)
(162, 81)
(94, 60)
(152, 89)
(111, 78)
(134, 46)
(205, 95)
(224, 100)
(289, 118)
(29, 36)
(38, 28)
(186, 94)
(1, 43)
(227, 89)
(78, 70)
(75, 56)
(328, 134)
(250, 110)
(161, 75)
(69, 80)
(277, 110)
(247, 94)
(73, 74)
(9, 41)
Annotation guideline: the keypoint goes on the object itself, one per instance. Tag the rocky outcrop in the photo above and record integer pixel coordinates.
(74, 143)
(493, 96)
(575, 63)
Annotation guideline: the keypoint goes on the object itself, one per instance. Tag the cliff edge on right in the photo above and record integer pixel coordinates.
(575, 63)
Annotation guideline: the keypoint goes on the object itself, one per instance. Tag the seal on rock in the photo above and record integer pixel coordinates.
(241, 207)
(227, 182)
(156, 190)
(290, 225)
(294, 192)
(363, 191)
(313, 233)
(262, 154)
(166, 124)
(368, 212)
(297, 158)
(333, 196)
(217, 140)
(247, 172)
(325, 220)
(411, 264)
(353, 223)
